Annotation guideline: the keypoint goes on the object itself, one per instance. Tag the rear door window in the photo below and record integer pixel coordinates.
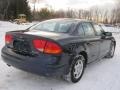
(89, 30)
(80, 31)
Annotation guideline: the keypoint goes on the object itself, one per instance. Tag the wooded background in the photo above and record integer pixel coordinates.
(9, 9)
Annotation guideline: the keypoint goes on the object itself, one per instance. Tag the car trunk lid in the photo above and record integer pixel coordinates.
(23, 41)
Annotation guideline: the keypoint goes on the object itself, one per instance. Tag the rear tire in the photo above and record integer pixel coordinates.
(76, 69)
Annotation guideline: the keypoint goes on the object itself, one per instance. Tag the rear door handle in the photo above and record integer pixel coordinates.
(89, 43)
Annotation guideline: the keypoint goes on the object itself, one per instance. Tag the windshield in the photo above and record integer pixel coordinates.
(54, 26)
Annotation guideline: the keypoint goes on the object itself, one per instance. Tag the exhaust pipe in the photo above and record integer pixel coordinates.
(8, 65)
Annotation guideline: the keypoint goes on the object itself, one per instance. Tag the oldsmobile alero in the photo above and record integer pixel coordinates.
(58, 47)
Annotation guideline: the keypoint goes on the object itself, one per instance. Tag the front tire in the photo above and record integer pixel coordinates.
(112, 51)
(76, 69)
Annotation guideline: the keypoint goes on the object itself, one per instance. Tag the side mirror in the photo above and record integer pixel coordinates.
(105, 34)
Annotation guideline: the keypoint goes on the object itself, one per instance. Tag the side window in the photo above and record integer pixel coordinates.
(80, 31)
(88, 28)
(98, 29)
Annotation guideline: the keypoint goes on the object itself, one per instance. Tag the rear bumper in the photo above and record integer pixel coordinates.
(46, 65)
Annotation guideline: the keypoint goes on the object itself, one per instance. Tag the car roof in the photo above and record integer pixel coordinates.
(70, 19)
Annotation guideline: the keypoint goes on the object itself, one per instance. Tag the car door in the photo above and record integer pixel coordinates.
(91, 41)
(104, 42)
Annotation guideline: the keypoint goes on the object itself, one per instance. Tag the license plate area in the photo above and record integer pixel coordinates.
(22, 47)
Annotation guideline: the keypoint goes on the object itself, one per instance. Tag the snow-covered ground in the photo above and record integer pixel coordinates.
(111, 29)
(100, 75)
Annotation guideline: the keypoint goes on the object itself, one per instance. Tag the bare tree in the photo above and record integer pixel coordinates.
(117, 11)
(34, 6)
(70, 13)
(6, 9)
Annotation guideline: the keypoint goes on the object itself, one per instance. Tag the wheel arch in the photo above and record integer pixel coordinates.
(85, 55)
(113, 40)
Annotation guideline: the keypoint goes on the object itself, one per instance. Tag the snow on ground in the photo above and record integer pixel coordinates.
(111, 29)
(100, 75)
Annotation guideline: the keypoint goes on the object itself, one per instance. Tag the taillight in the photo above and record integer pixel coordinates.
(8, 38)
(52, 48)
(39, 44)
(47, 46)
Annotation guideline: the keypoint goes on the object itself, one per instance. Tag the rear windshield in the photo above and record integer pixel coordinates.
(54, 26)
